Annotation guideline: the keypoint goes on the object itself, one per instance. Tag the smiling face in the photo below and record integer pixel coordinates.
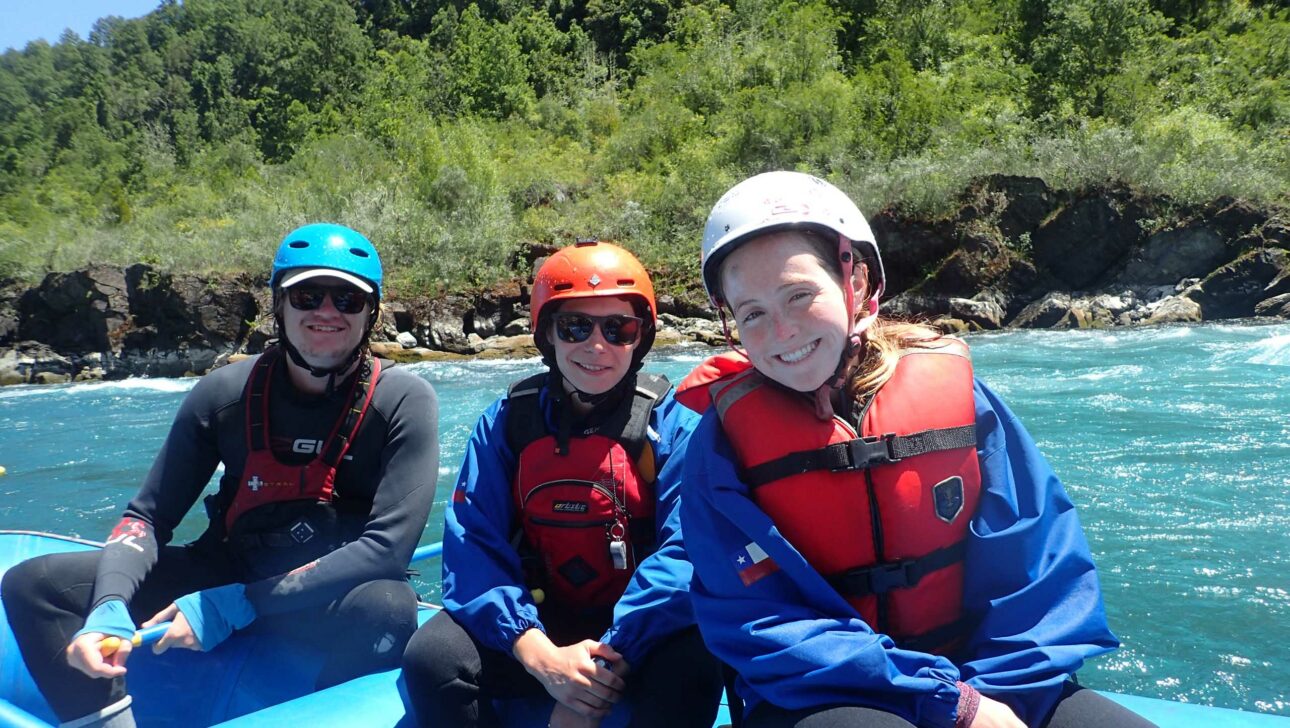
(789, 308)
(593, 366)
(324, 336)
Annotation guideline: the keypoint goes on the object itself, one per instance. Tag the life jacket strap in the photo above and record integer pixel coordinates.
(884, 577)
(861, 453)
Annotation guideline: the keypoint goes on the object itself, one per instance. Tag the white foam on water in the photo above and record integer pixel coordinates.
(1271, 352)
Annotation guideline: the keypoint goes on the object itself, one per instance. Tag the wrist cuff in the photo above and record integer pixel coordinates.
(969, 701)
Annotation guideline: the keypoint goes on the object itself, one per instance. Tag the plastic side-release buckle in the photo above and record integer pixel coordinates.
(864, 452)
(899, 575)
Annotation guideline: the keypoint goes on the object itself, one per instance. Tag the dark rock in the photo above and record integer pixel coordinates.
(76, 312)
(911, 306)
(909, 249)
(1018, 205)
(1234, 218)
(1275, 306)
(1173, 255)
(1235, 289)
(1051, 311)
(1082, 242)
(169, 312)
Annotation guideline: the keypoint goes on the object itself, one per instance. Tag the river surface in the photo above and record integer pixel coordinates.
(1174, 442)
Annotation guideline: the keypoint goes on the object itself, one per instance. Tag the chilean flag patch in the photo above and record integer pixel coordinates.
(752, 564)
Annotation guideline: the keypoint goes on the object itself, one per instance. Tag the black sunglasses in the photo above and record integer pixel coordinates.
(575, 328)
(346, 299)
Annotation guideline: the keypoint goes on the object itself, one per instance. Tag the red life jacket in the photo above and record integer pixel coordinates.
(265, 479)
(883, 516)
(586, 505)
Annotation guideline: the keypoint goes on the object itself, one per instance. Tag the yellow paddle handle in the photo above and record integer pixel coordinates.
(110, 645)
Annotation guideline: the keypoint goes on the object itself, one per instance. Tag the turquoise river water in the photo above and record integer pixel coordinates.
(1174, 442)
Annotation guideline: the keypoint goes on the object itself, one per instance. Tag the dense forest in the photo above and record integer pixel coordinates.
(456, 134)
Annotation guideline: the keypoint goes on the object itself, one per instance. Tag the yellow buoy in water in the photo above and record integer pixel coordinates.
(2, 470)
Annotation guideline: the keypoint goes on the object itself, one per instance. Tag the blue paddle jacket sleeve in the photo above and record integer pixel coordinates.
(213, 614)
(483, 583)
(1031, 596)
(111, 617)
(657, 600)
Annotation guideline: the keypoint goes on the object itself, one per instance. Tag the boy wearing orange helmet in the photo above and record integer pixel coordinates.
(564, 572)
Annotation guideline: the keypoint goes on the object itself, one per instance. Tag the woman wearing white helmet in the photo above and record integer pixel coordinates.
(876, 539)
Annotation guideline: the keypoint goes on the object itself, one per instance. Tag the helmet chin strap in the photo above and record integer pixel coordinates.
(316, 371)
(837, 381)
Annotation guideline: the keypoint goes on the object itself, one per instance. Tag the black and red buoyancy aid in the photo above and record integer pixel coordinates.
(586, 506)
(265, 479)
(882, 515)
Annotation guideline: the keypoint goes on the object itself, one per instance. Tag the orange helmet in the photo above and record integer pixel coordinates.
(587, 269)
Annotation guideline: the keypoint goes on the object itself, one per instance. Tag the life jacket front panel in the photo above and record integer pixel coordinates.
(576, 512)
(895, 528)
(930, 390)
(265, 479)
(587, 512)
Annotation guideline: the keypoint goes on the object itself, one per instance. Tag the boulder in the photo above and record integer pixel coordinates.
(1275, 306)
(1235, 289)
(34, 362)
(1174, 309)
(986, 315)
(1051, 311)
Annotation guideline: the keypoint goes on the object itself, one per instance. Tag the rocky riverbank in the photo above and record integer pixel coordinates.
(1015, 254)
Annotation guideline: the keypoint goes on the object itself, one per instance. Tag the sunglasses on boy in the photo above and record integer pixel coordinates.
(346, 299)
(575, 328)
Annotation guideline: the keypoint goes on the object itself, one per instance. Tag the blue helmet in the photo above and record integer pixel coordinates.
(329, 246)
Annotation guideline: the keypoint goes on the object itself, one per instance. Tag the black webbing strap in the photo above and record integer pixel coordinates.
(863, 452)
(884, 577)
(257, 400)
(360, 396)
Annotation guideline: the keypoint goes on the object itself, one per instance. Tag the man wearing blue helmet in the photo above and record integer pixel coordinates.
(330, 461)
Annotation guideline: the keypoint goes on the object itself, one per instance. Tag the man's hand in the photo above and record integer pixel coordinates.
(993, 714)
(86, 655)
(179, 634)
(569, 674)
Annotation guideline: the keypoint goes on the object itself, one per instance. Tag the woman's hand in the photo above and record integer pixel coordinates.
(570, 675)
(993, 714)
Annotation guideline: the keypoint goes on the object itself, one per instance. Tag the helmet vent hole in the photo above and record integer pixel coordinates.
(563, 286)
(626, 283)
(297, 244)
(359, 252)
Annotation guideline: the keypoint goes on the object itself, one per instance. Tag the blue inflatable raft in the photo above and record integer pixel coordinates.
(254, 680)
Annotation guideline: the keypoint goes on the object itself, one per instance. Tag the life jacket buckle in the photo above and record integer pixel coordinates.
(897, 575)
(866, 452)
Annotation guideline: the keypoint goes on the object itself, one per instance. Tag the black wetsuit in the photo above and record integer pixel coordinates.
(357, 590)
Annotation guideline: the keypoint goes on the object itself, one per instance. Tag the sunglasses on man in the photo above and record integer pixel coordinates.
(346, 299)
(575, 328)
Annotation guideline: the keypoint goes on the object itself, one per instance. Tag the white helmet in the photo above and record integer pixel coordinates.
(784, 201)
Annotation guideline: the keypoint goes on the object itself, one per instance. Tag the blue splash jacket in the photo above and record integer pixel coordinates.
(483, 583)
(1030, 593)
